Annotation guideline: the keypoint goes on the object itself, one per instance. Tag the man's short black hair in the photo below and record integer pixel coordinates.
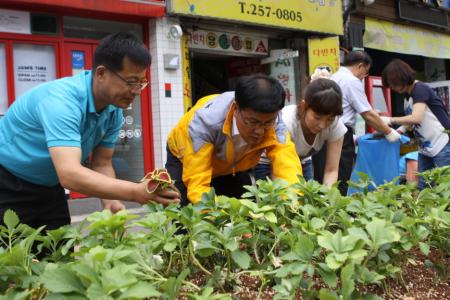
(260, 93)
(357, 57)
(115, 47)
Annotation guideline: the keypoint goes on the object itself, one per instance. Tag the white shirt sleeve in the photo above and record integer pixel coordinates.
(357, 97)
(336, 130)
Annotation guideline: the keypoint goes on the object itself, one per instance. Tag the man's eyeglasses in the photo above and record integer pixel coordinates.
(255, 124)
(132, 85)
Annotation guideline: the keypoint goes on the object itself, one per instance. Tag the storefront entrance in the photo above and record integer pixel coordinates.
(215, 74)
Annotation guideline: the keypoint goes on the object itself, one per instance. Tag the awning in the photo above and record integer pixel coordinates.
(143, 8)
(388, 36)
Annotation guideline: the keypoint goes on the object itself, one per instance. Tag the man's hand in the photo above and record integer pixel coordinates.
(163, 196)
(113, 205)
(393, 136)
(386, 120)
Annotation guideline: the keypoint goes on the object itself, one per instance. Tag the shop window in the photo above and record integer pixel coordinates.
(75, 27)
(379, 102)
(128, 160)
(33, 65)
(44, 24)
(3, 90)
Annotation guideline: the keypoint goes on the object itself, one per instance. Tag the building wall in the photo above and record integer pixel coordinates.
(166, 111)
(388, 10)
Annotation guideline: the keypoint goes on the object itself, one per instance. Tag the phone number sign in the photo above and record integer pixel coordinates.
(310, 15)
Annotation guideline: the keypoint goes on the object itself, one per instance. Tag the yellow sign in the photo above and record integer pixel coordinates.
(398, 38)
(311, 15)
(186, 65)
(323, 53)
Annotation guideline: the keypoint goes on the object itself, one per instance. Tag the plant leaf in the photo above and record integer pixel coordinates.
(271, 217)
(424, 248)
(61, 279)
(10, 219)
(241, 258)
(347, 282)
(327, 295)
(382, 233)
(140, 290)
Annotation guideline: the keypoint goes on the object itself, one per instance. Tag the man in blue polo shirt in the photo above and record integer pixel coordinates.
(51, 129)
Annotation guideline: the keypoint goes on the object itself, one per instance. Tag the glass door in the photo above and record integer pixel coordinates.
(77, 58)
(3, 80)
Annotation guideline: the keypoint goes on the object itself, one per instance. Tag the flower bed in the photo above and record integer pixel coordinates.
(275, 243)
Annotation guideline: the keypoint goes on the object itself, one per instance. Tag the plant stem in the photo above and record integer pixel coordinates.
(195, 261)
(162, 279)
(255, 249)
(229, 264)
(263, 283)
(271, 250)
(170, 264)
(255, 252)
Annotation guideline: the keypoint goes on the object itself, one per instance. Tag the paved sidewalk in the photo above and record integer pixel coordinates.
(81, 208)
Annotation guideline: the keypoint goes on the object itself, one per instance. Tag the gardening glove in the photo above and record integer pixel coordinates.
(386, 120)
(393, 136)
(401, 129)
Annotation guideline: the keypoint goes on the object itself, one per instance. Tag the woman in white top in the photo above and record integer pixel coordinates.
(313, 122)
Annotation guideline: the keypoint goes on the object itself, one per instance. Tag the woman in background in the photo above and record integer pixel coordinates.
(425, 112)
(313, 122)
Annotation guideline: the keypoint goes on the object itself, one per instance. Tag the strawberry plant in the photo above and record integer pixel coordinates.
(303, 239)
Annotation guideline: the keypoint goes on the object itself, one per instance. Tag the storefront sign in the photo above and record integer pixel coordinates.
(387, 36)
(279, 55)
(185, 61)
(323, 53)
(14, 21)
(312, 15)
(77, 59)
(226, 42)
(283, 69)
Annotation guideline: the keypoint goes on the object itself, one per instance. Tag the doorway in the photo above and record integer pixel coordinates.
(216, 73)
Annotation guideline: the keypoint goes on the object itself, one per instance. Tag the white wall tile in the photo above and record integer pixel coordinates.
(166, 112)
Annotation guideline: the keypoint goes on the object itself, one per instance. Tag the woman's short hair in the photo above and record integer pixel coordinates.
(398, 73)
(324, 97)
